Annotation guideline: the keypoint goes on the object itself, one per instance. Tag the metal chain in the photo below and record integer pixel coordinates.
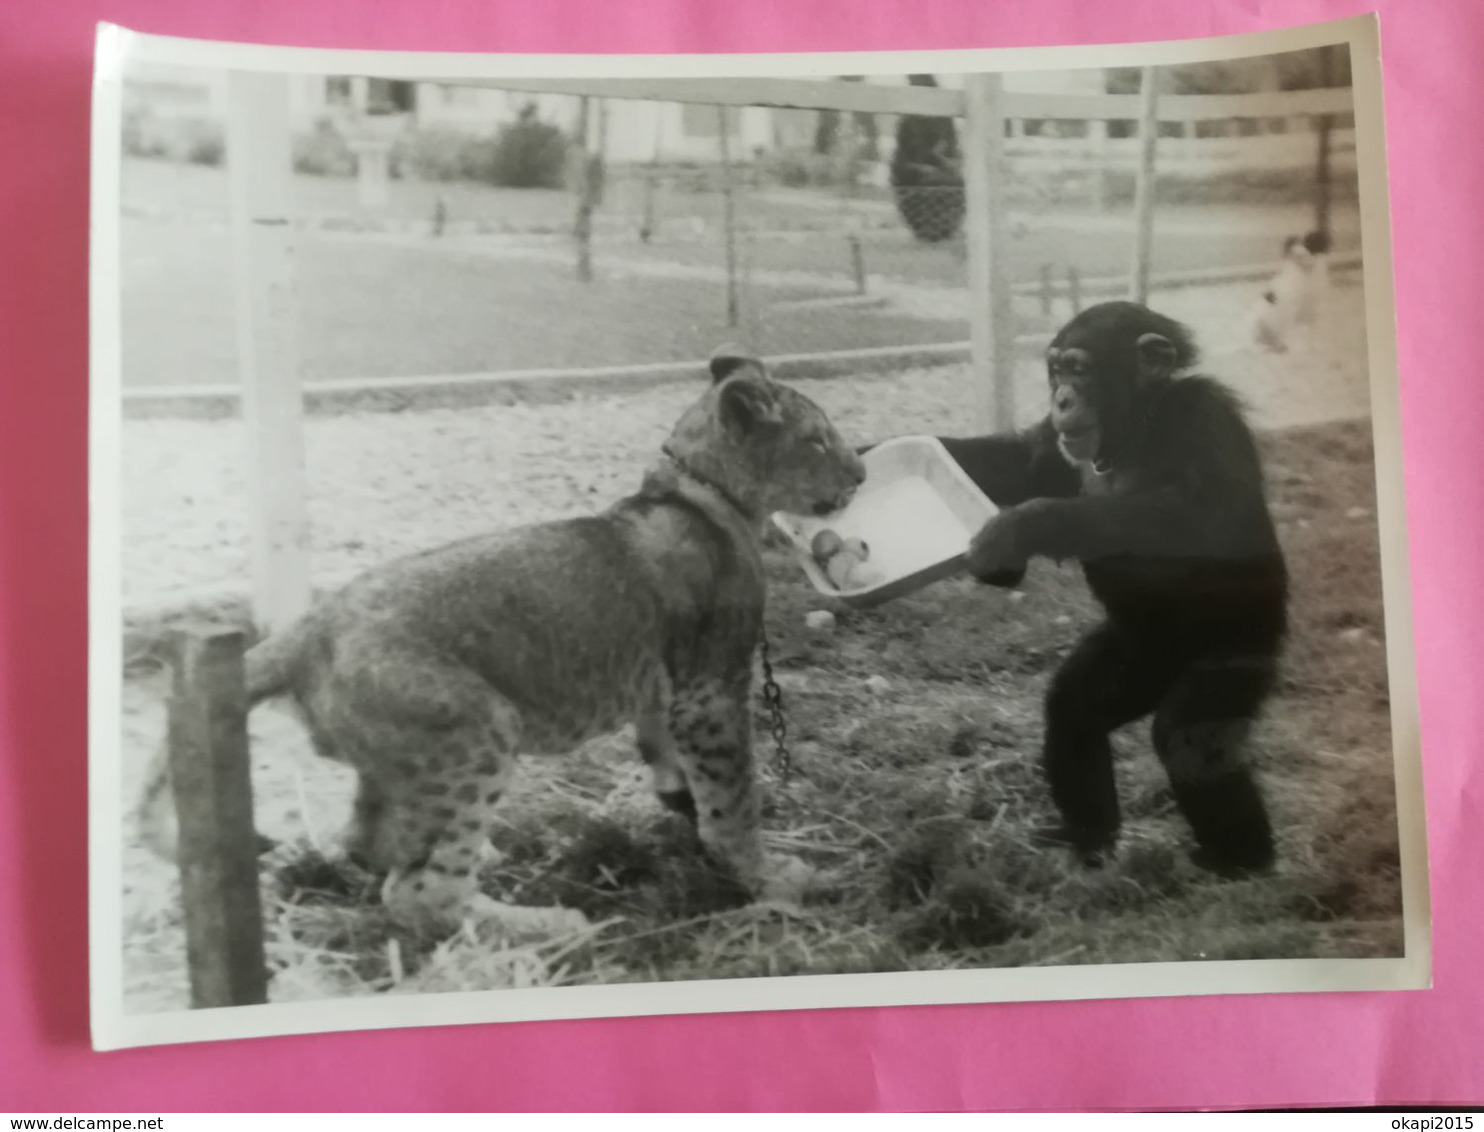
(783, 763)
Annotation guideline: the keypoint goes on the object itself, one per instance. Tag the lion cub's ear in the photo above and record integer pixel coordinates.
(747, 400)
(730, 358)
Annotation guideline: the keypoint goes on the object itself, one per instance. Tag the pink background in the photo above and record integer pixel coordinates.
(1259, 1051)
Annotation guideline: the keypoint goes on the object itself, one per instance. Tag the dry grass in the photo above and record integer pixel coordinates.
(913, 802)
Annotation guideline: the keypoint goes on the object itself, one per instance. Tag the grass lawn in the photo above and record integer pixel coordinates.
(371, 308)
(1191, 238)
(169, 188)
(1186, 236)
(913, 803)
(374, 309)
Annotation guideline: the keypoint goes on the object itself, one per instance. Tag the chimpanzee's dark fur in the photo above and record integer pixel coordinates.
(1175, 539)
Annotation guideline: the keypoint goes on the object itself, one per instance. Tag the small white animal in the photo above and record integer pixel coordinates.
(1292, 298)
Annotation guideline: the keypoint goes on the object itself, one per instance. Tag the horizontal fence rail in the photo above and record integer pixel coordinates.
(788, 94)
(814, 94)
(1183, 107)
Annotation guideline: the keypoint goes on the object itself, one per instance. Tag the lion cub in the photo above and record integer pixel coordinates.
(429, 675)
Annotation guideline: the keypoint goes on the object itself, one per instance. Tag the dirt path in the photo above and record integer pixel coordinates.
(384, 484)
(914, 727)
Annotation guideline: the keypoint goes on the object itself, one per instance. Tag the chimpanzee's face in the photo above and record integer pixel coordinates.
(1078, 401)
(1097, 366)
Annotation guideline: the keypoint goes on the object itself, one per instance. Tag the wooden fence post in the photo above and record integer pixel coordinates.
(991, 316)
(729, 217)
(1144, 186)
(1325, 128)
(259, 167)
(591, 120)
(646, 223)
(857, 263)
(217, 846)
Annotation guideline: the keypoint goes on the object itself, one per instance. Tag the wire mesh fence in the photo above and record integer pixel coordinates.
(504, 231)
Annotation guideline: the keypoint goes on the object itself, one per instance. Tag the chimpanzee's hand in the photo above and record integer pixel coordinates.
(1004, 579)
(997, 554)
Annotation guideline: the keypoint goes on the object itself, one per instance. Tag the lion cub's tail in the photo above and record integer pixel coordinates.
(269, 666)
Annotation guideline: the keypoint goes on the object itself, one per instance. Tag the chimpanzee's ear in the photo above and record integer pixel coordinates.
(748, 400)
(1157, 356)
(728, 359)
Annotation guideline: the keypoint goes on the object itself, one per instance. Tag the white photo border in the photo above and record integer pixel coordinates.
(112, 1028)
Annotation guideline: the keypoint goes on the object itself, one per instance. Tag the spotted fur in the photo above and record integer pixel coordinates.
(430, 675)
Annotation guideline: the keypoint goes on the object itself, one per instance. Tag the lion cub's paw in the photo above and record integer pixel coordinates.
(516, 922)
(787, 881)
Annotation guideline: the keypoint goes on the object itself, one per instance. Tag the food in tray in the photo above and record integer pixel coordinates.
(844, 561)
(825, 545)
(917, 510)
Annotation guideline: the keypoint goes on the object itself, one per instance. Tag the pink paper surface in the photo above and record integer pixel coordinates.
(1424, 1047)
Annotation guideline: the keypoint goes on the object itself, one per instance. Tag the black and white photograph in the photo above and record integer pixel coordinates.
(658, 535)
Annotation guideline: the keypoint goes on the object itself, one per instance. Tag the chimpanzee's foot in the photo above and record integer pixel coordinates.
(1092, 848)
(1233, 865)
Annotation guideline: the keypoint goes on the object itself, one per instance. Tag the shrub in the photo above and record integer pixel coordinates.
(528, 153)
(524, 154)
(205, 144)
(790, 170)
(802, 169)
(926, 178)
(442, 155)
(141, 137)
(195, 140)
(323, 152)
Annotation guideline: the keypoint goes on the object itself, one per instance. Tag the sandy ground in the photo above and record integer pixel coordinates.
(914, 727)
(383, 484)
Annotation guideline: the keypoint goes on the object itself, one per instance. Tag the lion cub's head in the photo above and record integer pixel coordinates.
(765, 445)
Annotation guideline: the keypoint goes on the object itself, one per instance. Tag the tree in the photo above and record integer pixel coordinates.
(1326, 124)
(848, 141)
(591, 120)
(927, 174)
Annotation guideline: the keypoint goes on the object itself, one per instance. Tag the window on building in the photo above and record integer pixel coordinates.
(390, 96)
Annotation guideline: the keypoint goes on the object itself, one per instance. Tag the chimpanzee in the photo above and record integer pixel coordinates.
(1150, 477)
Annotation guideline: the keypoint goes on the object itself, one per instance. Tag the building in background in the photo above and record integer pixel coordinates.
(168, 109)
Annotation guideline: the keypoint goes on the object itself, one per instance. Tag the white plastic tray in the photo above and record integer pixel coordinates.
(917, 511)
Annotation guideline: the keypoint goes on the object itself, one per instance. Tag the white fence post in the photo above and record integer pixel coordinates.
(1144, 186)
(991, 319)
(259, 165)
(729, 214)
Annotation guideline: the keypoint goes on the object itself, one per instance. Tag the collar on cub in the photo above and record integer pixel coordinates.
(711, 485)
